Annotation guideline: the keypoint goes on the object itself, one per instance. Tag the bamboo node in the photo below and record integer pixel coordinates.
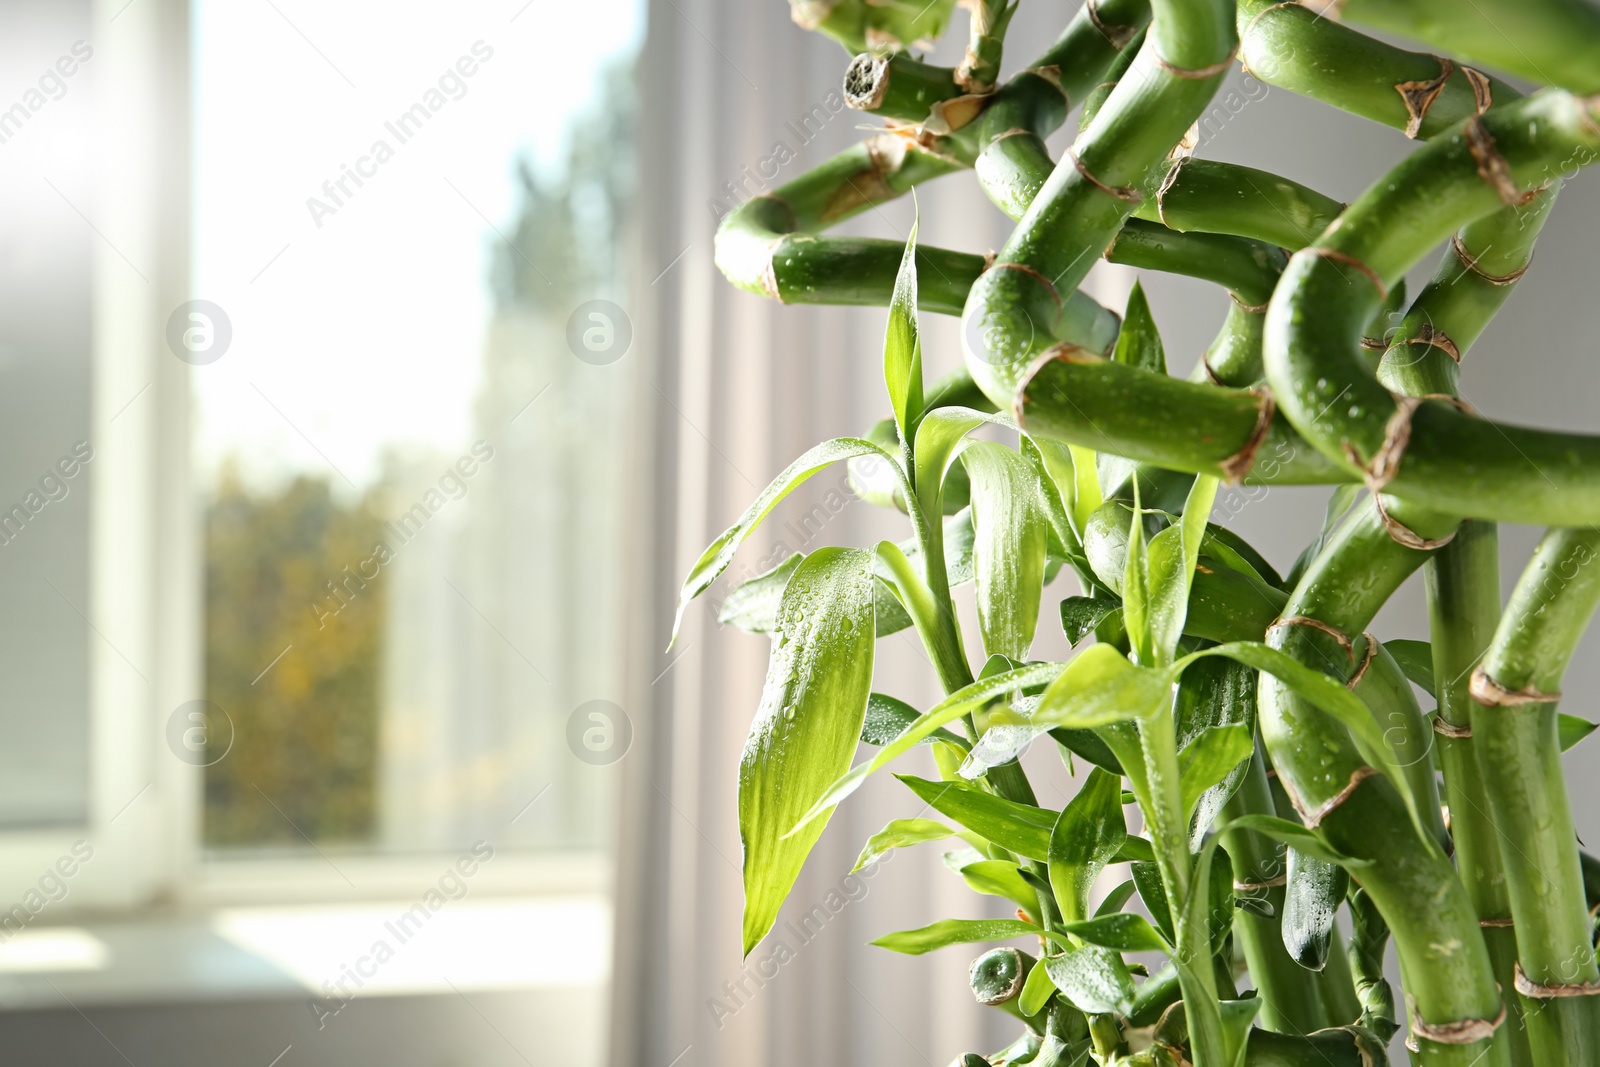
(1254, 309)
(1256, 887)
(1482, 88)
(1539, 991)
(1051, 73)
(1444, 728)
(1314, 817)
(1317, 624)
(967, 76)
(1366, 661)
(1166, 184)
(1117, 35)
(1197, 73)
(1492, 694)
(1492, 166)
(1420, 95)
(1470, 261)
(1049, 286)
(1396, 436)
(1401, 534)
(1121, 192)
(1461, 1032)
(1497, 924)
(1236, 466)
(1437, 339)
(1350, 261)
(1205, 365)
(1374, 344)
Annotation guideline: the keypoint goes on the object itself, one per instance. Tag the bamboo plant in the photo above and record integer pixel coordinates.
(1280, 763)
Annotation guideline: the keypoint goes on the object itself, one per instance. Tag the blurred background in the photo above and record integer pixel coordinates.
(366, 386)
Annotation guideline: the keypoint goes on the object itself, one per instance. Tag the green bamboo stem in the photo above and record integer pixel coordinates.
(1411, 91)
(1228, 198)
(898, 87)
(1552, 42)
(1291, 1000)
(1359, 812)
(1463, 585)
(1452, 461)
(980, 67)
(1519, 756)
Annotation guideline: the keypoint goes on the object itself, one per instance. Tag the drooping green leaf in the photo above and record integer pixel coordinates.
(1081, 614)
(1098, 687)
(1571, 729)
(1088, 745)
(1084, 839)
(1212, 757)
(1135, 850)
(1136, 593)
(947, 932)
(939, 435)
(1036, 991)
(1416, 662)
(1333, 698)
(1172, 555)
(1093, 979)
(1020, 828)
(1139, 342)
(887, 718)
(902, 345)
(997, 878)
(1298, 837)
(1312, 893)
(1213, 694)
(1053, 462)
(715, 559)
(1123, 931)
(965, 700)
(753, 605)
(1010, 529)
(900, 833)
(807, 726)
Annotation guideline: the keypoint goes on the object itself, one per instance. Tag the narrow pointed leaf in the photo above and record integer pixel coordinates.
(1116, 898)
(1036, 991)
(715, 559)
(938, 436)
(902, 345)
(997, 878)
(1123, 931)
(1020, 828)
(1098, 687)
(1010, 530)
(1081, 614)
(965, 700)
(1212, 757)
(1085, 838)
(1572, 729)
(1298, 837)
(1147, 878)
(1416, 662)
(1172, 556)
(808, 724)
(947, 932)
(1139, 342)
(901, 833)
(887, 718)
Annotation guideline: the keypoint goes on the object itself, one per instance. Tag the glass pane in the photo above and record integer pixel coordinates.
(47, 444)
(411, 520)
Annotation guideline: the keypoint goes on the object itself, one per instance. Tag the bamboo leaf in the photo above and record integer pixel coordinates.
(1036, 991)
(1088, 495)
(997, 878)
(1099, 686)
(1008, 553)
(887, 718)
(1085, 838)
(1093, 979)
(1297, 837)
(1214, 694)
(1313, 892)
(1123, 931)
(1147, 879)
(1116, 898)
(938, 435)
(902, 345)
(1136, 608)
(1212, 757)
(1139, 342)
(806, 729)
(948, 932)
(1020, 828)
(753, 605)
(715, 559)
(1333, 698)
(900, 833)
(1088, 745)
(1416, 662)
(1173, 554)
(1081, 614)
(965, 700)
(1571, 729)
